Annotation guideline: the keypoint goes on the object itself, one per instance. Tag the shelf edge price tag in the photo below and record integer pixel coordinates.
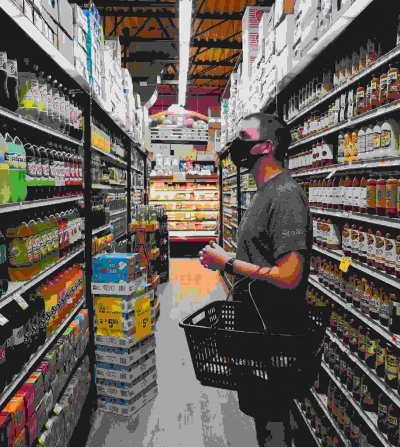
(345, 264)
(21, 302)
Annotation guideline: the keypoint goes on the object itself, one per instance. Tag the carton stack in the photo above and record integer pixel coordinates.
(126, 376)
(65, 30)
(80, 42)
(117, 92)
(284, 40)
(94, 44)
(107, 76)
(307, 19)
(127, 86)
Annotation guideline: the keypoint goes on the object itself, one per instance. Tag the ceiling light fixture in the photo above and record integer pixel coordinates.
(185, 30)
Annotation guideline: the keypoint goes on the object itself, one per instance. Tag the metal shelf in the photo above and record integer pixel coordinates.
(381, 330)
(376, 220)
(371, 419)
(369, 116)
(111, 156)
(228, 243)
(227, 226)
(10, 207)
(393, 395)
(229, 176)
(332, 33)
(234, 245)
(338, 254)
(312, 431)
(23, 286)
(7, 393)
(101, 229)
(117, 212)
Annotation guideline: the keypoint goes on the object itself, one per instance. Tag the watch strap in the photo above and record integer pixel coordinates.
(229, 266)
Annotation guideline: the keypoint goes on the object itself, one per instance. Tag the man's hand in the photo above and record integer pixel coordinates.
(214, 257)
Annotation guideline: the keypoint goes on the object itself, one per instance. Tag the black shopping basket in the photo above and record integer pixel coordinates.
(225, 354)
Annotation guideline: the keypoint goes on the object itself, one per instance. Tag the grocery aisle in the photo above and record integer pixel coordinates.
(184, 413)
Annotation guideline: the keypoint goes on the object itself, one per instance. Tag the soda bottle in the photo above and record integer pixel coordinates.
(23, 190)
(31, 172)
(52, 171)
(13, 167)
(56, 243)
(3, 83)
(5, 352)
(49, 233)
(38, 303)
(12, 84)
(60, 234)
(63, 173)
(39, 172)
(43, 241)
(67, 111)
(62, 108)
(28, 92)
(56, 106)
(50, 114)
(5, 188)
(383, 405)
(36, 251)
(45, 170)
(3, 265)
(43, 99)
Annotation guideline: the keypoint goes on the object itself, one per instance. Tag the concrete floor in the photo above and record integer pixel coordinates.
(184, 413)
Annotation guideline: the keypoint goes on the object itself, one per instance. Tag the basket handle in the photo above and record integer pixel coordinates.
(251, 296)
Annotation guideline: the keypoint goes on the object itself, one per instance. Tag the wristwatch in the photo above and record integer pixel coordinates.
(229, 266)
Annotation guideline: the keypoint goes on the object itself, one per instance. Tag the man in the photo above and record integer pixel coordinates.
(274, 246)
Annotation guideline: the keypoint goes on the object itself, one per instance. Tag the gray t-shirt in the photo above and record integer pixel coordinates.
(278, 221)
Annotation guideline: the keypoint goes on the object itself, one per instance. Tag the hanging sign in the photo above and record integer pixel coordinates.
(142, 318)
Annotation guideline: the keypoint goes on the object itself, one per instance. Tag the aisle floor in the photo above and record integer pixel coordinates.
(184, 413)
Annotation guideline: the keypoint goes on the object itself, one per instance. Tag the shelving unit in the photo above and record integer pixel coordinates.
(312, 431)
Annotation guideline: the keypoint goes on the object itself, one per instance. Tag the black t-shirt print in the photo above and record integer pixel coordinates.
(278, 221)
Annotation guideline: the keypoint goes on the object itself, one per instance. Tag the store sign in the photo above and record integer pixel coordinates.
(142, 318)
(109, 317)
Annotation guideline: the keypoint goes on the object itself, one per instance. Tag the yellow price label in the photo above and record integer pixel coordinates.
(345, 264)
(109, 317)
(142, 318)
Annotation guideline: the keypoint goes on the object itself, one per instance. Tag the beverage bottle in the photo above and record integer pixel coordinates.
(374, 51)
(361, 144)
(39, 172)
(393, 82)
(13, 163)
(371, 349)
(56, 242)
(358, 293)
(375, 303)
(31, 172)
(346, 242)
(362, 245)
(354, 243)
(371, 241)
(72, 130)
(356, 194)
(369, 139)
(49, 233)
(324, 186)
(65, 229)
(383, 99)
(368, 402)
(5, 187)
(375, 92)
(381, 196)
(383, 405)
(368, 95)
(394, 321)
(56, 122)
(390, 254)
(79, 115)
(391, 195)
(43, 241)
(45, 170)
(357, 377)
(60, 234)
(62, 171)
(52, 171)
(36, 249)
(371, 195)
(67, 170)
(376, 140)
(21, 169)
(12, 84)
(50, 112)
(43, 99)
(384, 310)
(366, 298)
(380, 358)
(62, 108)
(362, 343)
(360, 100)
(28, 92)
(393, 424)
(67, 111)
(6, 352)
(398, 33)
(341, 195)
(379, 251)
(3, 83)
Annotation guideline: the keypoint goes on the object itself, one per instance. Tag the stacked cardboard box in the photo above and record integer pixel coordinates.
(126, 376)
(93, 46)
(80, 41)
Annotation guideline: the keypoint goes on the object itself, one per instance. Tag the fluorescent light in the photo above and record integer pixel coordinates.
(185, 30)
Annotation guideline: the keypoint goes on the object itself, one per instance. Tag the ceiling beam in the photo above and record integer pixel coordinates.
(133, 4)
(162, 11)
(219, 77)
(202, 43)
(214, 63)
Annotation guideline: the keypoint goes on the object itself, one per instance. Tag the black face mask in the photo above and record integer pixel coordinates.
(240, 153)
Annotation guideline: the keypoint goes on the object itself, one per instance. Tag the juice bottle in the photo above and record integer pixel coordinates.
(43, 100)
(341, 148)
(31, 168)
(39, 172)
(398, 257)
(346, 242)
(20, 252)
(49, 233)
(375, 303)
(375, 92)
(368, 96)
(348, 197)
(389, 138)
(360, 100)
(355, 144)
(383, 98)
(13, 162)
(376, 140)
(60, 234)
(371, 195)
(356, 194)
(43, 241)
(391, 195)
(65, 227)
(373, 51)
(348, 147)
(393, 82)
(5, 188)
(371, 241)
(55, 239)
(36, 250)
(45, 170)
(363, 195)
(28, 92)
(381, 196)
(369, 138)
(390, 254)
(362, 245)
(341, 196)
(379, 251)
(354, 241)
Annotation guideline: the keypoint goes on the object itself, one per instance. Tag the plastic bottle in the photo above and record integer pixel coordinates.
(56, 242)
(369, 137)
(52, 171)
(43, 241)
(67, 112)
(381, 196)
(389, 139)
(31, 168)
(36, 249)
(346, 243)
(45, 170)
(341, 148)
(341, 195)
(60, 234)
(50, 112)
(375, 92)
(3, 81)
(360, 100)
(373, 51)
(28, 92)
(20, 252)
(368, 96)
(355, 206)
(376, 140)
(362, 245)
(384, 310)
(5, 186)
(380, 251)
(12, 84)
(363, 195)
(371, 195)
(13, 162)
(383, 98)
(393, 82)
(390, 254)
(391, 194)
(354, 242)
(371, 241)
(62, 108)
(43, 99)
(56, 122)
(39, 172)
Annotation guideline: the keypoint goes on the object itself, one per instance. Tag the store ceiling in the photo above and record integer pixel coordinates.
(149, 33)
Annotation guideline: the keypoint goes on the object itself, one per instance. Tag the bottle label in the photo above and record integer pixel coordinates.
(29, 95)
(20, 252)
(384, 310)
(371, 348)
(391, 367)
(55, 240)
(43, 245)
(374, 304)
(376, 140)
(386, 139)
(31, 170)
(362, 198)
(371, 246)
(52, 171)
(43, 101)
(380, 249)
(356, 196)
(393, 82)
(361, 144)
(18, 335)
(390, 252)
(354, 241)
